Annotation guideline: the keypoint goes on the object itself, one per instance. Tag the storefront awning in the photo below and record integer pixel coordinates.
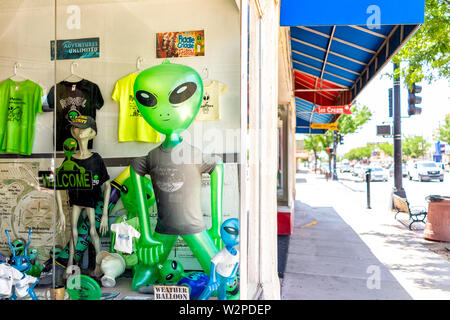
(333, 63)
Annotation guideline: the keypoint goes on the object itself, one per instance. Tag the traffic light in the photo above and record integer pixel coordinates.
(329, 150)
(413, 100)
(340, 138)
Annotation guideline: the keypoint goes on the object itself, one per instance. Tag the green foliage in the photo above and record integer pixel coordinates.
(443, 132)
(415, 146)
(312, 143)
(360, 153)
(387, 148)
(428, 49)
(350, 123)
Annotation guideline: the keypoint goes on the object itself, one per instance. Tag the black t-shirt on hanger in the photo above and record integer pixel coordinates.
(73, 99)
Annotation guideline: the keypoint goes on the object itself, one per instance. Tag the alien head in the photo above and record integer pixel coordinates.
(171, 271)
(19, 247)
(128, 194)
(229, 232)
(168, 96)
(70, 147)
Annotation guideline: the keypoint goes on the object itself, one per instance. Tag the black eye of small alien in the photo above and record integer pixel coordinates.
(169, 276)
(124, 189)
(174, 265)
(182, 92)
(231, 230)
(146, 98)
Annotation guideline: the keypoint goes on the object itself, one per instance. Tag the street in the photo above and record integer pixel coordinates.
(415, 191)
(340, 249)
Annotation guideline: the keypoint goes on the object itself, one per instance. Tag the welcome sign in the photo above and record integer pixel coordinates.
(75, 49)
(180, 44)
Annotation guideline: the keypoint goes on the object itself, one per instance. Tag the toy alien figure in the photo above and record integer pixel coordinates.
(224, 265)
(22, 263)
(168, 97)
(84, 128)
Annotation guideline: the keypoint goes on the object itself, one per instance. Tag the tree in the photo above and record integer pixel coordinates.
(387, 148)
(428, 50)
(312, 143)
(350, 123)
(360, 153)
(443, 132)
(326, 141)
(415, 146)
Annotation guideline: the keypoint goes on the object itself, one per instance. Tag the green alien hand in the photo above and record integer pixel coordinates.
(149, 253)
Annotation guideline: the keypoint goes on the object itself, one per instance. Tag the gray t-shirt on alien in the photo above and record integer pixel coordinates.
(176, 177)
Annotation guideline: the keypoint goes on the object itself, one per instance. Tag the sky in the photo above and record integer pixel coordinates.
(435, 105)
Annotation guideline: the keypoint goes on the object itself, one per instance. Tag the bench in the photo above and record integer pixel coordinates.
(416, 214)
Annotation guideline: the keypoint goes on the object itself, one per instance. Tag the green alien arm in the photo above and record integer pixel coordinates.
(149, 249)
(216, 204)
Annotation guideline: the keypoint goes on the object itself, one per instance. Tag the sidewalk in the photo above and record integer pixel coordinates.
(355, 253)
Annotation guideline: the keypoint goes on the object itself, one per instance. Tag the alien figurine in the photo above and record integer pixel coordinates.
(168, 97)
(22, 263)
(224, 264)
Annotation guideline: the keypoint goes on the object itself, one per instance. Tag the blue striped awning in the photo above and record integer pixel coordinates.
(333, 64)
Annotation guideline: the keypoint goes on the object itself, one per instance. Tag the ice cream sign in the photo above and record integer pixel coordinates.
(345, 109)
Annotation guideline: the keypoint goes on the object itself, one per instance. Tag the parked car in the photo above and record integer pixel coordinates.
(378, 174)
(356, 169)
(345, 167)
(404, 170)
(426, 170)
(360, 171)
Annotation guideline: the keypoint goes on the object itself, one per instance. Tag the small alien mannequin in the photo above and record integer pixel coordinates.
(83, 129)
(168, 97)
(224, 264)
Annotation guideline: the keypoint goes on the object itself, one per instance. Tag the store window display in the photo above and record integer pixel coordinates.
(128, 223)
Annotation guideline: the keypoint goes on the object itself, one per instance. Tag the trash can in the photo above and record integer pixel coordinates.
(438, 218)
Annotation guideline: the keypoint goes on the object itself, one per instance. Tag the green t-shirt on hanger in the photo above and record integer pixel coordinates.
(20, 101)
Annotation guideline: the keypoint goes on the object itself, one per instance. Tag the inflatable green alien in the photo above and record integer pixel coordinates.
(168, 97)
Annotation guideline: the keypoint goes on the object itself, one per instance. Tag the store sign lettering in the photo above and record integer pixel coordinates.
(66, 180)
(186, 42)
(346, 109)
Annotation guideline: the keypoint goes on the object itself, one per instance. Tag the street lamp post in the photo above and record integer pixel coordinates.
(398, 183)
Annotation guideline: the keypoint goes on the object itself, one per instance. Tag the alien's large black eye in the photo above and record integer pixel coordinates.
(231, 230)
(146, 98)
(182, 92)
(174, 265)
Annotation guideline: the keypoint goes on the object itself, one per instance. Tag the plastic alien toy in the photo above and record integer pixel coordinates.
(70, 148)
(22, 263)
(224, 265)
(168, 97)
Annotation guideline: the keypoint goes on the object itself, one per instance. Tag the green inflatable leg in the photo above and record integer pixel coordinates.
(203, 248)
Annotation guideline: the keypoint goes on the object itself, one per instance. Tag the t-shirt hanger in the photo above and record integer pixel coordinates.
(73, 74)
(16, 74)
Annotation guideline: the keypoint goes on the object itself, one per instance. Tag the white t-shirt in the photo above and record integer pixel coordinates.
(209, 109)
(225, 262)
(8, 277)
(124, 237)
(22, 285)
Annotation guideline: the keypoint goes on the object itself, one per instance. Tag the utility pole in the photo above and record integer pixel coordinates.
(335, 177)
(398, 183)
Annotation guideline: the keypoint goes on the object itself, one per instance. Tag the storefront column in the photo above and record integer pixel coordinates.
(263, 282)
